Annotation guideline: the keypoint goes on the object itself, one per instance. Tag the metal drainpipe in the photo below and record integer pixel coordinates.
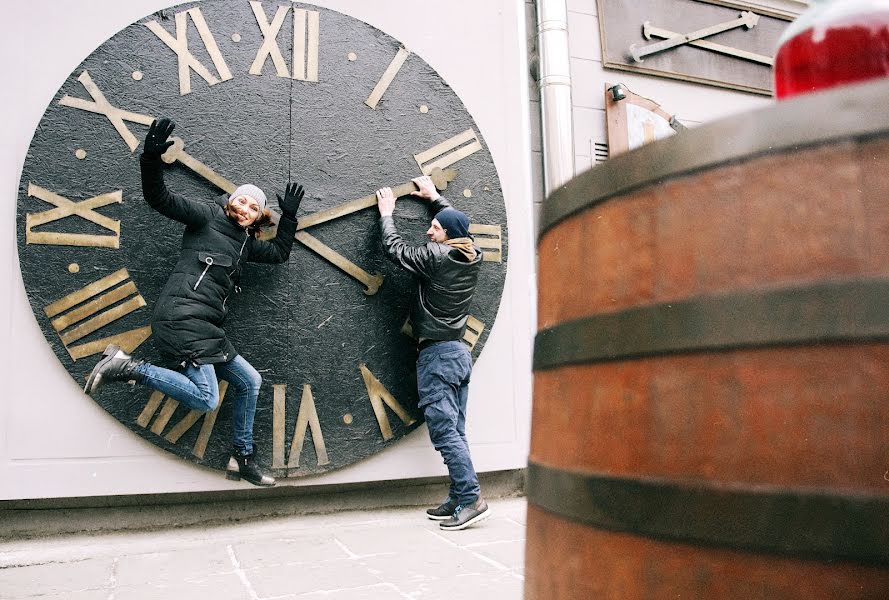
(555, 94)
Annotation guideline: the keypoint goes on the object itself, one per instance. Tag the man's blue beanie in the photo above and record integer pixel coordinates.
(454, 222)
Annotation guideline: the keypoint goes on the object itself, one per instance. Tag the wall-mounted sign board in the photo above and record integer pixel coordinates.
(720, 43)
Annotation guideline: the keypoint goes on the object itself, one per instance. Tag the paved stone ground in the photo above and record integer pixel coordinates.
(387, 554)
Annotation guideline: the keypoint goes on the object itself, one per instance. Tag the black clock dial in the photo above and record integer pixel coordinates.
(261, 93)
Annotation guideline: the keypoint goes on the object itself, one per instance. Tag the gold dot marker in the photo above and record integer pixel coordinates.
(236, 37)
(74, 268)
(424, 109)
(347, 419)
(80, 153)
(353, 57)
(467, 193)
(137, 75)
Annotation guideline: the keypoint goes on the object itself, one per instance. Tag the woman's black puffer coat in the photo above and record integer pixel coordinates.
(187, 321)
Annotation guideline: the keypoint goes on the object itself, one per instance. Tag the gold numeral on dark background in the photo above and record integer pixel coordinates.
(448, 152)
(100, 105)
(270, 40)
(187, 422)
(93, 307)
(380, 397)
(490, 239)
(85, 209)
(187, 61)
(386, 79)
(306, 418)
(306, 28)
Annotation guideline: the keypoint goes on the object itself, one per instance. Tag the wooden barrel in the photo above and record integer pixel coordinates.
(711, 393)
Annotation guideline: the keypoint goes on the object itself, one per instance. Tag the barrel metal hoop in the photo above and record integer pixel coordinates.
(831, 312)
(797, 523)
(857, 113)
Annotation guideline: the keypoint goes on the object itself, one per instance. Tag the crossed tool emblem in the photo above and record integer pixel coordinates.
(671, 39)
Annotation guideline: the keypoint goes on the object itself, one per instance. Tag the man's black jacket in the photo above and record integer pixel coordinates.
(446, 281)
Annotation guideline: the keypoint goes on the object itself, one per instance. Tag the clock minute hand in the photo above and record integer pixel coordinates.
(440, 177)
(177, 152)
(747, 19)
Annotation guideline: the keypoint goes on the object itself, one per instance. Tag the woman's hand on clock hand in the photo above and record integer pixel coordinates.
(289, 204)
(385, 201)
(156, 142)
(425, 188)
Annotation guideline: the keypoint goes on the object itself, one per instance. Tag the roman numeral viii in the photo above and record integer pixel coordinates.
(93, 307)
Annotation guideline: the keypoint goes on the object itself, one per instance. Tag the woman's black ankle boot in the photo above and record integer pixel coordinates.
(242, 466)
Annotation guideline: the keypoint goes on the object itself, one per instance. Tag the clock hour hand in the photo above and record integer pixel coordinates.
(440, 177)
(177, 152)
(371, 283)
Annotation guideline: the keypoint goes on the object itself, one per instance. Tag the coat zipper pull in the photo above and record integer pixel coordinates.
(209, 261)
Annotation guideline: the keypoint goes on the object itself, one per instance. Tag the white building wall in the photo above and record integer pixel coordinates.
(56, 442)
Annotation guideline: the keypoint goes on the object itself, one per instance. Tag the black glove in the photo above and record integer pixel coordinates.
(156, 142)
(289, 204)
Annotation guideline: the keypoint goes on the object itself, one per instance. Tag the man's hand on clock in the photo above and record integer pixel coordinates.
(156, 142)
(289, 204)
(425, 188)
(385, 201)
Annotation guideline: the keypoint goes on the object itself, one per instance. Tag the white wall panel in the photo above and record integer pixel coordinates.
(55, 442)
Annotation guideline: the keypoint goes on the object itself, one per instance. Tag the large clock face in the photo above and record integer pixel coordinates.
(263, 93)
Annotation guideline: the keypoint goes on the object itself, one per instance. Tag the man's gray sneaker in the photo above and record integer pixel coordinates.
(464, 516)
(443, 512)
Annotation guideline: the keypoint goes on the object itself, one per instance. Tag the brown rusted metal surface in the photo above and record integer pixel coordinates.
(568, 561)
(801, 416)
(775, 220)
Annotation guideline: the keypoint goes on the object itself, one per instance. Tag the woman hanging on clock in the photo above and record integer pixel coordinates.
(187, 320)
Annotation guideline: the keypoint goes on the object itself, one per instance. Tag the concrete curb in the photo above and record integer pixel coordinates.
(22, 519)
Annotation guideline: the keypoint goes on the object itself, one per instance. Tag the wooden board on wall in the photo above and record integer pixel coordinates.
(738, 57)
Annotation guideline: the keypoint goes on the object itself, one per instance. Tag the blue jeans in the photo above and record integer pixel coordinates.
(197, 388)
(443, 371)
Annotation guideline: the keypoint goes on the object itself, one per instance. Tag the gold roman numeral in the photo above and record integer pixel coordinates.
(305, 419)
(93, 307)
(306, 32)
(448, 152)
(187, 61)
(270, 40)
(379, 399)
(187, 422)
(100, 105)
(490, 239)
(473, 331)
(64, 207)
(389, 74)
